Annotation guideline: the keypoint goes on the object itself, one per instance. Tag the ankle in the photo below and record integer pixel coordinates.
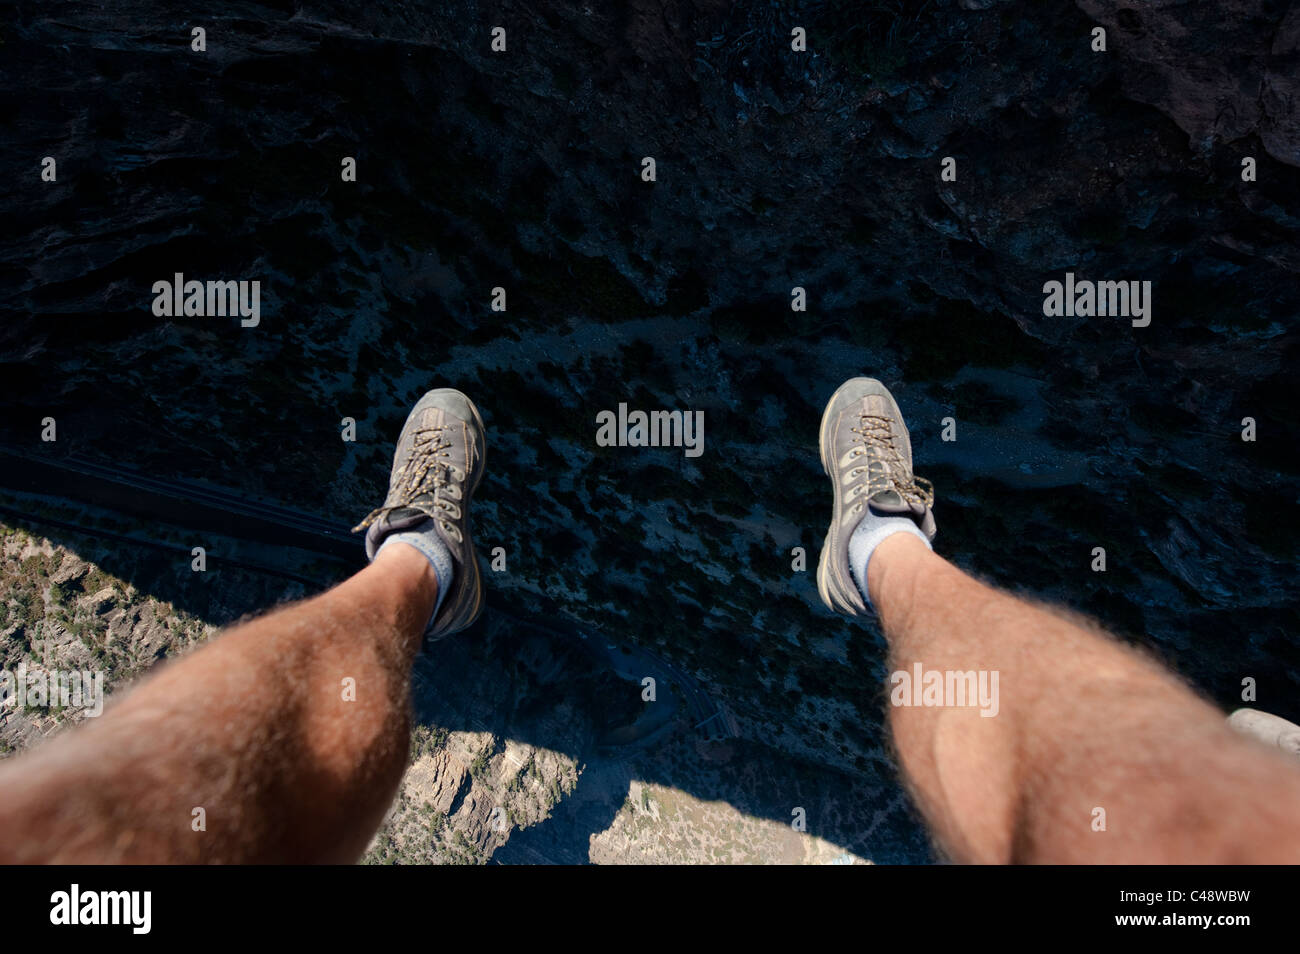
(415, 580)
(872, 531)
(423, 540)
(891, 574)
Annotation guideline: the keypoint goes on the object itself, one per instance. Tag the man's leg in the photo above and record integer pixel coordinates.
(286, 737)
(289, 732)
(1082, 723)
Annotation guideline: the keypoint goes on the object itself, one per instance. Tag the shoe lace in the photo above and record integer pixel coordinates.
(876, 433)
(428, 470)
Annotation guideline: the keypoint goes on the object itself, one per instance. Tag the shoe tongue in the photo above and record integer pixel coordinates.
(890, 503)
(403, 518)
(400, 518)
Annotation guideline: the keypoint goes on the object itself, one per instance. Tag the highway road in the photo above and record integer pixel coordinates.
(186, 503)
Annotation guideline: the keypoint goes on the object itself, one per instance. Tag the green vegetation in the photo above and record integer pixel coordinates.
(870, 40)
(977, 402)
(427, 739)
(478, 768)
(951, 334)
(572, 284)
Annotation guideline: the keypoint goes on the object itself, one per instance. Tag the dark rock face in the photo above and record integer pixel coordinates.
(1221, 71)
(774, 169)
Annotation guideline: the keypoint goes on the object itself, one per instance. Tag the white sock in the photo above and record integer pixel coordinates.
(868, 535)
(432, 549)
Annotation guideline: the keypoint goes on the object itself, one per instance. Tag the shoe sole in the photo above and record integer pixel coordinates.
(471, 555)
(823, 570)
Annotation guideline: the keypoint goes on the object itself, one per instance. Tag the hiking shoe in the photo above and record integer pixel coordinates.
(436, 469)
(867, 453)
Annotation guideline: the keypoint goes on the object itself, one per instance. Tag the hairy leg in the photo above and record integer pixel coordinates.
(1083, 723)
(290, 732)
